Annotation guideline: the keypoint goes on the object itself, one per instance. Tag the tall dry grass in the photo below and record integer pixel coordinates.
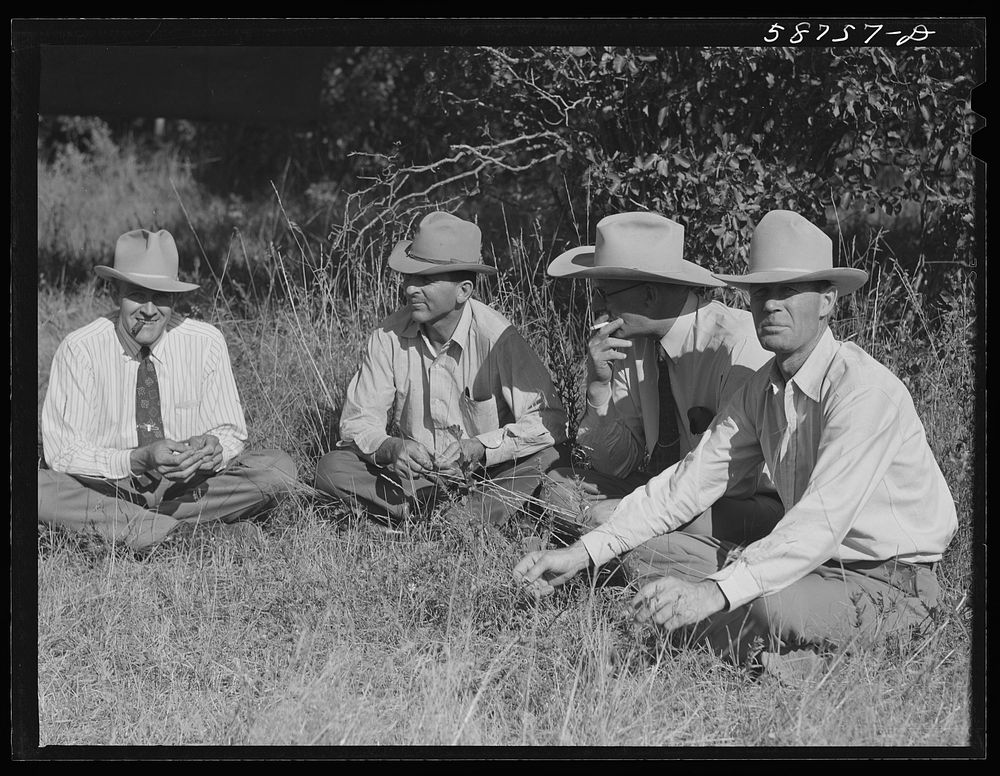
(334, 633)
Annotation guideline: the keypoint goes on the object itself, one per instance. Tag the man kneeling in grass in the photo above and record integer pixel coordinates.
(142, 425)
(868, 513)
(467, 401)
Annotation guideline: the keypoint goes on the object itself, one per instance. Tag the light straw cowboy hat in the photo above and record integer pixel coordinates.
(787, 248)
(146, 259)
(634, 246)
(441, 243)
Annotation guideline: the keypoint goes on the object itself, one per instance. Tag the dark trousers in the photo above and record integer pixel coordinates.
(495, 495)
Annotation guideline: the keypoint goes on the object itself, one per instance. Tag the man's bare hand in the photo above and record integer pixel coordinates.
(459, 459)
(542, 571)
(406, 457)
(672, 603)
(210, 448)
(165, 457)
(603, 350)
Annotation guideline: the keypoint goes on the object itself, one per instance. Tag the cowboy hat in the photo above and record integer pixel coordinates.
(441, 243)
(146, 259)
(786, 247)
(634, 246)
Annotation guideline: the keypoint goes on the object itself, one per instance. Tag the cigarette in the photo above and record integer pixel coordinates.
(138, 325)
(597, 326)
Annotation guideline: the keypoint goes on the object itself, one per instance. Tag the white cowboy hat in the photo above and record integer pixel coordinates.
(634, 246)
(786, 247)
(441, 243)
(146, 259)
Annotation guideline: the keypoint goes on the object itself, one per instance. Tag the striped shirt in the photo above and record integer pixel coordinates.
(485, 382)
(849, 458)
(88, 417)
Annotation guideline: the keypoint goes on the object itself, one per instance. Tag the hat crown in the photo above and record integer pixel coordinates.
(785, 240)
(146, 253)
(447, 238)
(640, 241)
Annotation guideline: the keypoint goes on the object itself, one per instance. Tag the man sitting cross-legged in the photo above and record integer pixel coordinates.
(448, 394)
(142, 425)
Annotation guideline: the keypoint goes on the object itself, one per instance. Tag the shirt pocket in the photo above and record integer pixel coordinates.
(186, 414)
(480, 416)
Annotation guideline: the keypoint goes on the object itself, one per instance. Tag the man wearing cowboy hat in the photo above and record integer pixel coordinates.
(664, 360)
(448, 393)
(142, 426)
(868, 511)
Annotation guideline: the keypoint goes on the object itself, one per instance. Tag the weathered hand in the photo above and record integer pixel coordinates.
(672, 603)
(603, 350)
(542, 571)
(166, 457)
(459, 458)
(406, 457)
(211, 451)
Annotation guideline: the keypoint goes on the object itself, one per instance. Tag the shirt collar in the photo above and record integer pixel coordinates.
(673, 340)
(131, 348)
(809, 378)
(460, 336)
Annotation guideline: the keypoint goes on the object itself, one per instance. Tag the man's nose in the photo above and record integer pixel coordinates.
(148, 308)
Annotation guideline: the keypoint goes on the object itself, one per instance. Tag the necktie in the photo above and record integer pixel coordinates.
(148, 420)
(667, 450)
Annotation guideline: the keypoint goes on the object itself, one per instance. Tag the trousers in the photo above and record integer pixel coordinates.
(122, 510)
(837, 605)
(495, 495)
(740, 521)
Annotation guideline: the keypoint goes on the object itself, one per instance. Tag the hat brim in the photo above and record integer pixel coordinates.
(846, 280)
(152, 282)
(409, 265)
(579, 262)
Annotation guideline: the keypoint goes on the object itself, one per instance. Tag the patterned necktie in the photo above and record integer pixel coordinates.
(148, 420)
(667, 450)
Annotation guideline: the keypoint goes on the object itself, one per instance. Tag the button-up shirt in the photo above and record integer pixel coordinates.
(88, 416)
(485, 382)
(712, 351)
(850, 461)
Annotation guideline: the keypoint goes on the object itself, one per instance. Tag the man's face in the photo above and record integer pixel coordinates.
(788, 316)
(144, 314)
(625, 299)
(432, 297)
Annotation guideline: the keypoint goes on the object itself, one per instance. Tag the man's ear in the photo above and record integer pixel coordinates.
(464, 291)
(828, 300)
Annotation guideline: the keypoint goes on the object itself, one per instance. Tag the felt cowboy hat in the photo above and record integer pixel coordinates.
(146, 259)
(441, 243)
(634, 246)
(786, 247)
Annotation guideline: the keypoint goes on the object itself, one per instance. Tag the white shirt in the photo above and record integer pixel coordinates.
(88, 417)
(850, 461)
(485, 382)
(712, 350)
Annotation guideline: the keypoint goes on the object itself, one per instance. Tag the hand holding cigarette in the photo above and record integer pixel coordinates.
(604, 349)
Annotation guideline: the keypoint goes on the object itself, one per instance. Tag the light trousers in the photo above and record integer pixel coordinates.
(124, 510)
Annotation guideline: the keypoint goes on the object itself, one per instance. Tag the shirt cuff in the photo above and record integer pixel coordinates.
(738, 584)
(120, 465)
(492, 441)
(602, 546)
